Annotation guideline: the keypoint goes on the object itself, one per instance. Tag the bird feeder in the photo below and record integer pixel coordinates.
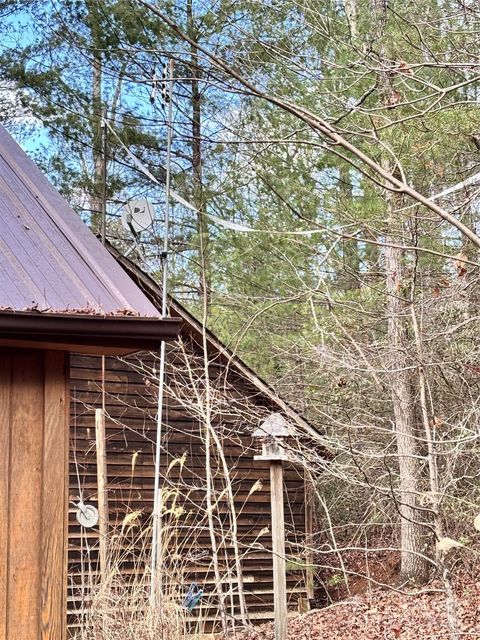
(272, 433)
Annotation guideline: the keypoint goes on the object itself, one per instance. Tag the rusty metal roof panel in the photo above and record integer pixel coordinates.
(49, 259)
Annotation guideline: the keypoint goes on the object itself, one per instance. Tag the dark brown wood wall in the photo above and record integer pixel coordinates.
(131, 401)
(33, 492)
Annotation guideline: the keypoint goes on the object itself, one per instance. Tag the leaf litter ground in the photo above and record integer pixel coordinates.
(384, 615)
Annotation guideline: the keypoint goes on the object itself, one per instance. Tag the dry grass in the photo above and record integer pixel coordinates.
(117, 606)
(122, 611)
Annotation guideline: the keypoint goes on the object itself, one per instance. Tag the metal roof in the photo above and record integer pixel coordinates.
(49, 259)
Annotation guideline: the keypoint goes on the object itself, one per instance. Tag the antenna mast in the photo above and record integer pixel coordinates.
(103, 127)
(100, 440)
(157, 538)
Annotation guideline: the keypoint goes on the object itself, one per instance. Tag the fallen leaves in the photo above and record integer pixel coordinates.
(383, 615)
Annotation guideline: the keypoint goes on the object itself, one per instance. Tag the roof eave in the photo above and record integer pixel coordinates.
(84, 332)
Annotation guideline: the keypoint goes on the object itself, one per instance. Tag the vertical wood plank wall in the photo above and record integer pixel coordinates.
(33, 494)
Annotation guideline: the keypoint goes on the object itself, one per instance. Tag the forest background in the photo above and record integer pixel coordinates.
(324, 128)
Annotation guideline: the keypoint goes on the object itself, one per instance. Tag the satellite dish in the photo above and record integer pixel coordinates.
(87, 515)
(138, 215)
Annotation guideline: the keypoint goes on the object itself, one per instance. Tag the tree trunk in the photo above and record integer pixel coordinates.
(414, 563)
(197, 163)
(350, 248)
(96, 194)
(413, 566)
(350, 7)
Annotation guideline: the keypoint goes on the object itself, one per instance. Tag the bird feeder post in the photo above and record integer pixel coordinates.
(272, 432)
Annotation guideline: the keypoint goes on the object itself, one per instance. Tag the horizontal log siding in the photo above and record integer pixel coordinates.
(131, 401)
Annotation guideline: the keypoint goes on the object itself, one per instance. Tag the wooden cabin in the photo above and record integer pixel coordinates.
(65, 302)
(61, 292)
(196, 436)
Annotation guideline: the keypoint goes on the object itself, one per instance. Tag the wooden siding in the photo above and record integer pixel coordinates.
(131, 400)
(33, 490)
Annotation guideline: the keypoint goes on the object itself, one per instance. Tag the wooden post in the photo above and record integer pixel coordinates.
(278, 548)
(309, 559)
(33, 494)
(102, 491)
(272, 432)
